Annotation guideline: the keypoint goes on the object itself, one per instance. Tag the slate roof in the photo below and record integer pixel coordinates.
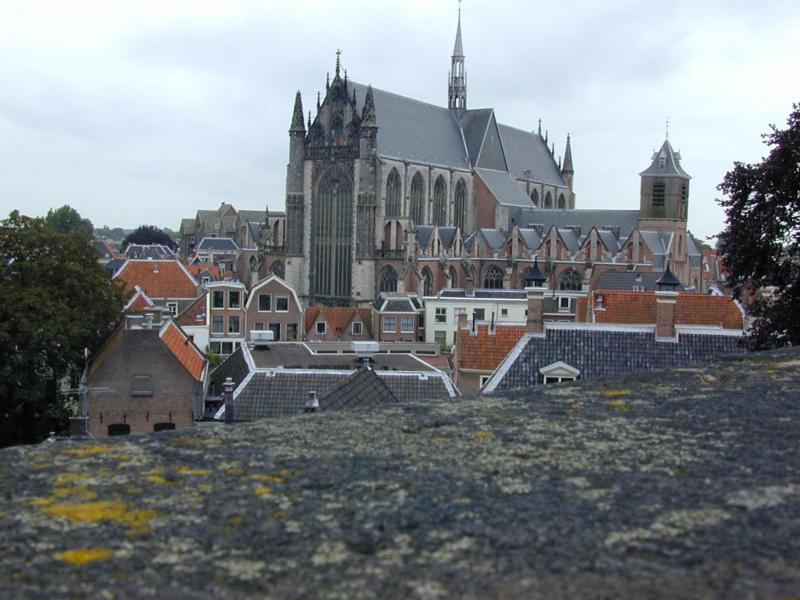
(486, 347)
(158, 278)
(605, 353)
(672, 163)
(473, 124)
(625, 220)
(495, 293)
(447, 235)
(114, 265)
(363, 389)
(639, 308)
(397, 304)
(627, 280)
(494, 237)
(216, 244)
(527, 151)
(570, 239)
(453, 293)
(183, 349)
(611, 243)
(235, 367)
(424, 233)
(148, 251)
(104, 250)
(531, 238)
(504, 188)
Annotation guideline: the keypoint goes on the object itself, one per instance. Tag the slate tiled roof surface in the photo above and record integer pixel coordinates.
(526, 151)
(158, 278)
(424, 233)
(603, 353)
(114, 265)
(570, 240)
(504, 294)
(625, 220)
(504, 188)
(292, 355)
(493, 237)
(185, 351)
(672, 165)
(151, 251)
(217, 244)
(447, 235)
(235, 367)
(531, 238)
(639, 308)
(363, 389)
(104, 250)
(627, 280)
(484, 350)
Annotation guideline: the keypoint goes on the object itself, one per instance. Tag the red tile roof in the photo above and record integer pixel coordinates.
(198, 268)
(158, 278)
(182, 349)
(486, 350)
(195, 313)
(139, 301)
(639, 308)
(337, 317)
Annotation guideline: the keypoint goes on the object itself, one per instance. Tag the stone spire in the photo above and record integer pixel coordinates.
(297, 116)
(567, 170)
(368, 112)
(457, 88)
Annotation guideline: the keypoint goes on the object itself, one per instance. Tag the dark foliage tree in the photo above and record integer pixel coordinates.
(67, 220)
(149, 234)
(760, 245)
(56, 300)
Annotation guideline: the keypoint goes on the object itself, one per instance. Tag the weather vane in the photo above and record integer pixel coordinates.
(667, 127)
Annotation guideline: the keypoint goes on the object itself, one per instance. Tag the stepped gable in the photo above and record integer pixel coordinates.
(674, 484)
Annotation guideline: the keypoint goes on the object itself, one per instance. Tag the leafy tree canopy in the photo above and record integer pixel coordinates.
(760, 244)
(56, 300)
(68, 220)
(149, 234)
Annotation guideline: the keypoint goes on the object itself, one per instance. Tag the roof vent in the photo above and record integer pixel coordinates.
(262, 337)
(365, 349)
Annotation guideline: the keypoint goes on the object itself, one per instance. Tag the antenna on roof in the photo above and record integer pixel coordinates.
(667, 127)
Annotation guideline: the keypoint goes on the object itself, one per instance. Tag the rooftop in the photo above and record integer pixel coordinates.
(678, 484)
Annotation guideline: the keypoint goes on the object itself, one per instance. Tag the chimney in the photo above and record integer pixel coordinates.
(462, 322)
(665, 314)
(535, 309)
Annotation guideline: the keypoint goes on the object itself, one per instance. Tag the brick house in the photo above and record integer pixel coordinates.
(337, 324)
(398, 317)
(167, 283)
(147, 377)
(273, 305)
(226, 315)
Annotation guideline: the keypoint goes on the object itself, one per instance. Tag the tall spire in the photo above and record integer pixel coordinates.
(368, 111)
(457, 88)
(297, 116)
(338, 62)
(567, 170)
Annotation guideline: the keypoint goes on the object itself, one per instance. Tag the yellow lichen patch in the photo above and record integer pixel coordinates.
(616, 393)
(91, 450)
(132, 489)
(80, 491)
(102, 511)
(157, 479)
(262, 490)
(481, 435)
(63, 478)
(236, 471)
(122, 457)
(42, 501)
(84, 555)
(274, 516)
(266, 477)
(193, 471)
(619, 405)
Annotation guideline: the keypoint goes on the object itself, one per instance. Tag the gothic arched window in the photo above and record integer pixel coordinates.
(453, 277)
(393, 194)
(493, 278)
(460, 212)
(387, 279)
(440, 202)
(332, 236)
(253, 263)
(276, 268)
(571, 280)
(548, 200)
(417, 206)
(337, 130)
(535, 198)
(427, 282)
(562, 202)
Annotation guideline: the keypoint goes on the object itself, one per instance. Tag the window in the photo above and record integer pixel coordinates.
(562, 202)
(141, 385)
(427, 282)
(163, 427)
(233, 324)
(389, 324)
(393, 194)
(205, 279)
(535, 198)
(484, 379)
(387, 280)
(281, 303)
(119, 429)
(478, 314)
(548, 200)
(659, 192)
(357, 328)
(217, 299)
(264, 302)
(563, 303)
(503, 312)
(322, 328)
(234, 299)
(441, 315)
(493, 279)
(407, 324)
(217, 325)
(275, 328)
(571, 280)
(417, 208)
(173, 308)
(440, 202)
(440, 337)
(552, 379)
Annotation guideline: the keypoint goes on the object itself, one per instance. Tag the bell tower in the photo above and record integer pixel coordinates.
(457, 88)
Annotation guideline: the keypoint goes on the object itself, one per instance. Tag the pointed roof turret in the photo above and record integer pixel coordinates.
(458, 50)
(297, 116)
(368, 111)
(668, 279)
(567, 167)
(535, 277)
(666, 163)
(457, 81)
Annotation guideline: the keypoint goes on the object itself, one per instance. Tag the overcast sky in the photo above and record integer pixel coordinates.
(143, 112)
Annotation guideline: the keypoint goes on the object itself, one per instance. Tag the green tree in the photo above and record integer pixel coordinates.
(149, 234)
(67, 220)
(56, 300)
(760, 244)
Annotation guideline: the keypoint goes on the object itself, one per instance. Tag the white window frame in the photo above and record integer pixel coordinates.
(238, 322)
(173, 308)
(440, 315)
(359, 325)
(278, 298)
(386, 328)
(218, 319)
(324, 328)
(403, 321)
(213, 298)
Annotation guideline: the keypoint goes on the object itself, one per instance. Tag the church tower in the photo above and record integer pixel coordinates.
(665, 187)
(457, 89)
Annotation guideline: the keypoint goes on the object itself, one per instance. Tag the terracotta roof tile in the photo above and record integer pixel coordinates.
(639, 308)
(484, 350)
(158, 278)
(182, 349)
(337, 317)
(198, 268)
(195, 313)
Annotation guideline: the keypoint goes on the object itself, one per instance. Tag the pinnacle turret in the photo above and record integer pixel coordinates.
(297, 115)
(368, 112)
(457, 85)
(567, 168)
